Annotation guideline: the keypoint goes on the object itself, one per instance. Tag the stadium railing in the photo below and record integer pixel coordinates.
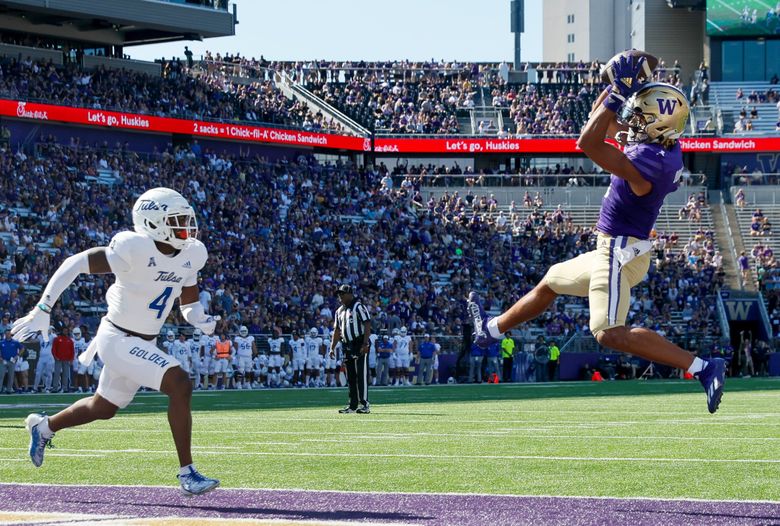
(529, 181)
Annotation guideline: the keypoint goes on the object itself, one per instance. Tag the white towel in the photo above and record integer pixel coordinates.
(625, 255)
(87, 356)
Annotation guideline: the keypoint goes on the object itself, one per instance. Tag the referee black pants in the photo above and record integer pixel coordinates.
(356, 364)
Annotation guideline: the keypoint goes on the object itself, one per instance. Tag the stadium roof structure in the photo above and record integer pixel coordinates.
(119, 22)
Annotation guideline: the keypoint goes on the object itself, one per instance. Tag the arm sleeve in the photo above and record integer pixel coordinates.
(64, 276)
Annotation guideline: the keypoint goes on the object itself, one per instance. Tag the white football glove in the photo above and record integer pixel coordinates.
(26, 328)
(195, 316)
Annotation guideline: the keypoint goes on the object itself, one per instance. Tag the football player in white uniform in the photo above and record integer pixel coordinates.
(372, 339)
(298, 346)
(245, 353)
(209, 364)
(260, 368)
(332, 363)
(275, 360)
(313, 356)
(392, 362)
(44, 369)
(195, 345)
(153, 265)
(181, 351)
(403, 358)
(80, 371)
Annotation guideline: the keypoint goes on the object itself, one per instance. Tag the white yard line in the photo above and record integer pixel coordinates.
(727, 6)
(452, 458)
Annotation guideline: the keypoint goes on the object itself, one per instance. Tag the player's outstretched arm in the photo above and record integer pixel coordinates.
(92, 261)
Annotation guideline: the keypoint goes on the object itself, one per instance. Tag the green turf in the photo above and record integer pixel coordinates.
(437, 439)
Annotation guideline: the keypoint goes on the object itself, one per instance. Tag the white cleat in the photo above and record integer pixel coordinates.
(193, 483)
(37, 441)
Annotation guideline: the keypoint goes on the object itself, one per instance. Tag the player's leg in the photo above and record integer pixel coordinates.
(610, 299)
(176, 384)
(569, 278)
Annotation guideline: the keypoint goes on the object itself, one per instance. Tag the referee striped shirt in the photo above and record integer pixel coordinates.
(350, 321)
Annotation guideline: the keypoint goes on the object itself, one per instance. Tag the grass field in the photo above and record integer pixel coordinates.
(621, 439)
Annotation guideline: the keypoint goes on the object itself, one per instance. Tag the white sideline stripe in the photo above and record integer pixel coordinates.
(14, 460)
(455, 457)
(431, 493)
(714, 24)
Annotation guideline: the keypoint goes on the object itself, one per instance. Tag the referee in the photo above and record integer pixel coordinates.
(352, 327)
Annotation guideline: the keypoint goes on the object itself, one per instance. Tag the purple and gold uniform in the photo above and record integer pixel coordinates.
(621, 259)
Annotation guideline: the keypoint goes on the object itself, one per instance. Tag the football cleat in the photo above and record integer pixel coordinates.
(480, 320)
(347, 410)
(712, 378)
(38, 443)
(193, 483)
(363, 409)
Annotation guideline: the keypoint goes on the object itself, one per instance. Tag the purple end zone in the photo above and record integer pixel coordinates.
(426, 509)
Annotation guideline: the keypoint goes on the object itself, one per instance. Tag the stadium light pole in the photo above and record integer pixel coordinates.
(517, 26)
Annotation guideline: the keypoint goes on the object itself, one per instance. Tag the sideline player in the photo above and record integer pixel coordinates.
(275, 359)
(245, 353)
(153, 265)
(195, 345)
(403, 356)
(313, 357)
(643, 174)
(298, 346)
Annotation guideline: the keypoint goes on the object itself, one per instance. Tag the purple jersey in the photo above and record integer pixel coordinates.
(625, 214)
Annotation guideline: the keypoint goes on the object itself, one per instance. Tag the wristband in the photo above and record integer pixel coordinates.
(614, 101)
(45, 308)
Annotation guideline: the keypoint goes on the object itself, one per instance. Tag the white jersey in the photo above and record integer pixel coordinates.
(298, 348)
(402, 345)
(209, 343)
(276, 345)
(372, 348)
(79, 346)
(46, 355)
(195, 347)
(313, 346)
(181, 351)
(244, 346)
(148, 281)
(260, 362)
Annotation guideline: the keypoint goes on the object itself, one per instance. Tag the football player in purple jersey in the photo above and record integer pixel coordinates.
(646, 170)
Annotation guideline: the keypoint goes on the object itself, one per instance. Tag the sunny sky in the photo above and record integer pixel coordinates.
(466, 30)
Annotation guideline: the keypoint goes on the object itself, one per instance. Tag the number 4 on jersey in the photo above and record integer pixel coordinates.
(160, 302)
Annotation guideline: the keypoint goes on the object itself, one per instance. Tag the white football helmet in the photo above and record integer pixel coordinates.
(403, 331)
(313, 332)
(395, 332)
(243, 331)
(196, 334)
(170, 335)
(165, 216)
(77, 333)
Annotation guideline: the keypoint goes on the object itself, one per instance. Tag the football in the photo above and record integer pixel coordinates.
(607, 72)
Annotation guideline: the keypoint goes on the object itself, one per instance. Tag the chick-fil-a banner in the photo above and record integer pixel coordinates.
(569, 145)
(292, 137)
(150, 123)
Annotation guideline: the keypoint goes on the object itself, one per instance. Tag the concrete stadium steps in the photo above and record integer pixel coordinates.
(668, 220)
(723, 94)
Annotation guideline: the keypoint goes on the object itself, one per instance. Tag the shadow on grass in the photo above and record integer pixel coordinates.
(14, 406)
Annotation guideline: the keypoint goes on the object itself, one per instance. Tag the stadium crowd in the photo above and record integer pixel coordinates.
(176, 93)
(271, 227)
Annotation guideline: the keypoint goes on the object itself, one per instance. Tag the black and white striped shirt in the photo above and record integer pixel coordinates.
(350, 321)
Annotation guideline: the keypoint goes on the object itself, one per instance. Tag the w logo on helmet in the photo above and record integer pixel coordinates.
(666, 105)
